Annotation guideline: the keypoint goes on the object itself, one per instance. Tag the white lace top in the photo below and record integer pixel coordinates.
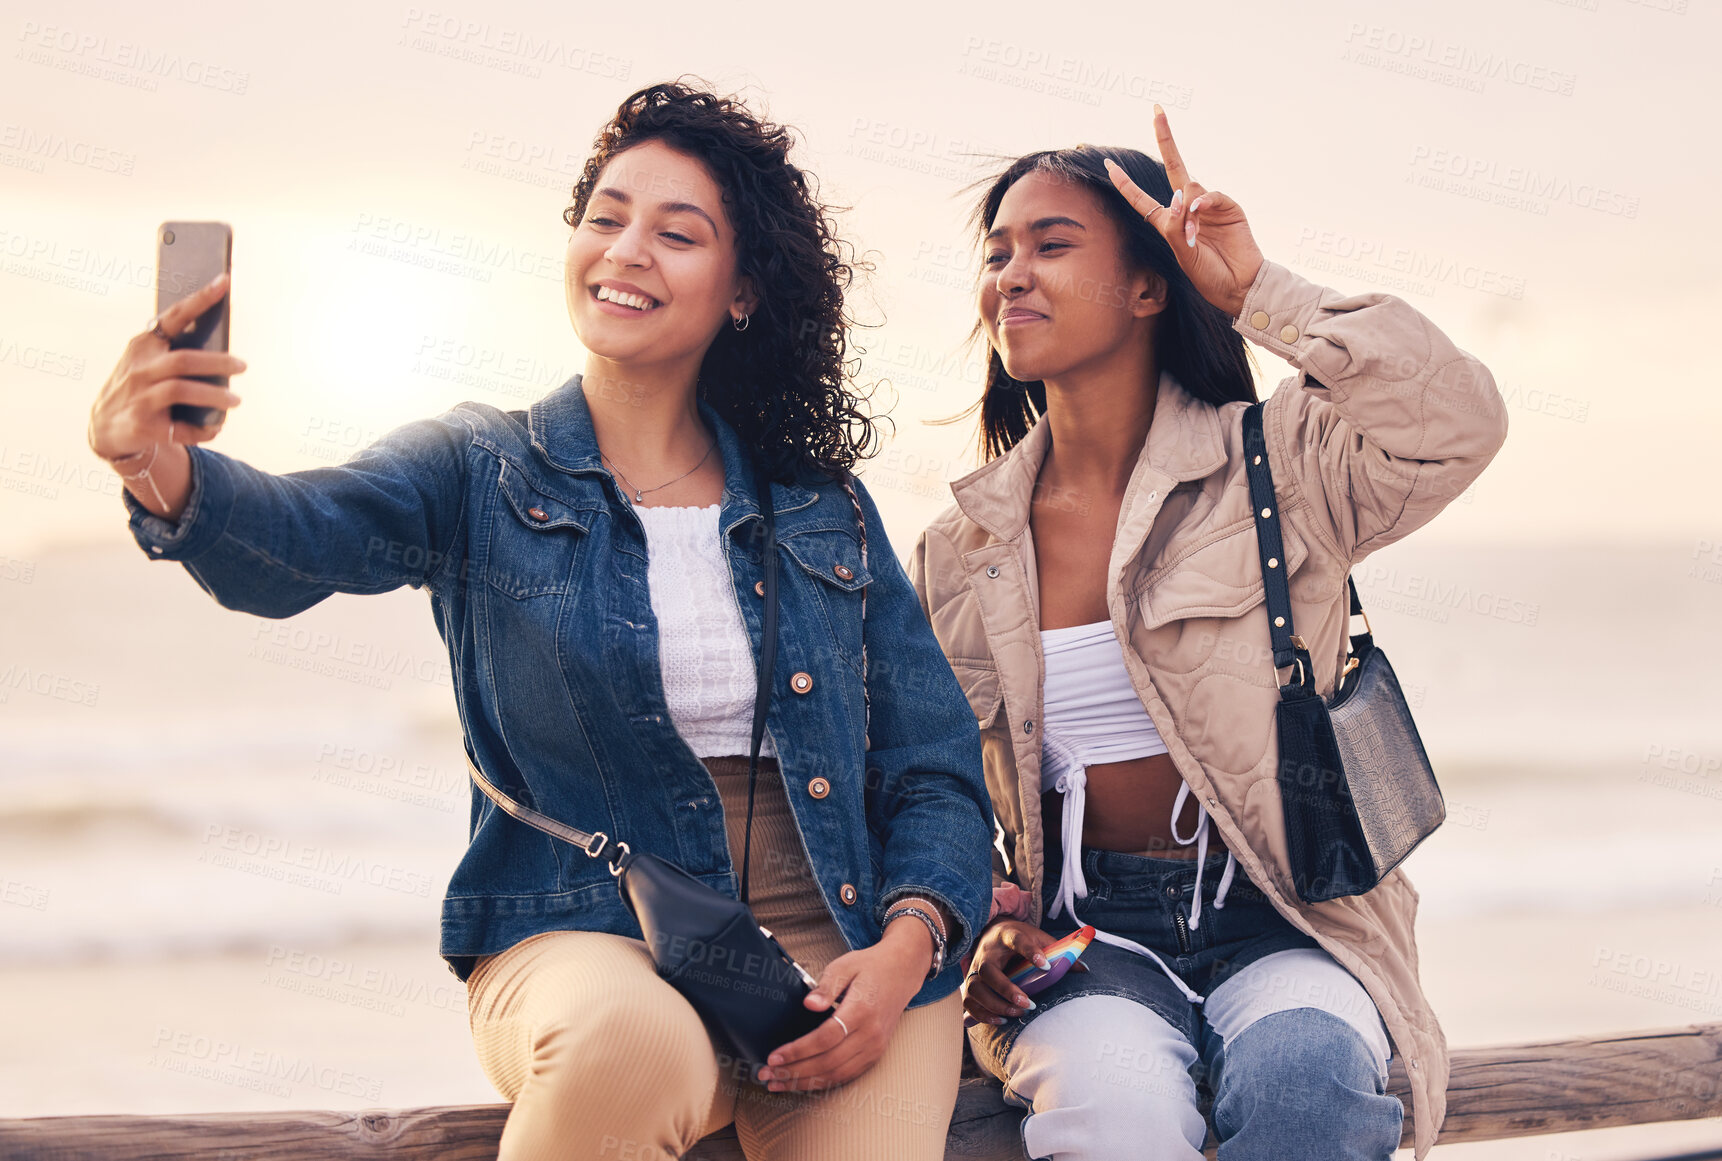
(703, 649)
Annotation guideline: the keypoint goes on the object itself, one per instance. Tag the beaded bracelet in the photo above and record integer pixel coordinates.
(933, 928)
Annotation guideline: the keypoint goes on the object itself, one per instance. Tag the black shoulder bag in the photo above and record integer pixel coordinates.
(744, 985)
(1357, 788)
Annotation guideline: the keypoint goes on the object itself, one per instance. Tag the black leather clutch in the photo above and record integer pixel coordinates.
(1357, 788)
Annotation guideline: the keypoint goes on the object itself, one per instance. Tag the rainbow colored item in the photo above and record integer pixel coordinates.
(1060, 956)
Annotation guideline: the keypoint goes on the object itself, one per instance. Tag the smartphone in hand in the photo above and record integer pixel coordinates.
(1060, 957)
(188, 256)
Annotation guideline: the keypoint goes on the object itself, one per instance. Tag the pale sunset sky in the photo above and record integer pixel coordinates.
(1538, 177)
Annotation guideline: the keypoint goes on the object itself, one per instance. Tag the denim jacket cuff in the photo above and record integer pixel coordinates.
(202, 522)
(958, 940)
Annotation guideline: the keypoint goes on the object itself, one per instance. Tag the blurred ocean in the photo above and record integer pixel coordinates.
(179, 777)
(218, 825)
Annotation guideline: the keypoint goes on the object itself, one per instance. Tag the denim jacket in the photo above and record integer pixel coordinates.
(536, 567)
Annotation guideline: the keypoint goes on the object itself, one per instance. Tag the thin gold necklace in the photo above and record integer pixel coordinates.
(638, 494)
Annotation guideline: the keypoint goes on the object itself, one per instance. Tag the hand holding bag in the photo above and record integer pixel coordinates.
(1355, 782)
(747, 989)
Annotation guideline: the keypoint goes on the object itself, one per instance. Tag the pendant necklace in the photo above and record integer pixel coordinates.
(638, 493)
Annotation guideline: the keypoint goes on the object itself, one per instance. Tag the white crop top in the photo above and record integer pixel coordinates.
(704, 653)
(1090, 714)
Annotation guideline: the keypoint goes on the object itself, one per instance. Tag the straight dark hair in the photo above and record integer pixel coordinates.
(1193, 339)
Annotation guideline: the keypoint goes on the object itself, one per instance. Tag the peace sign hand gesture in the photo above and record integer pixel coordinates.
(1205, 228)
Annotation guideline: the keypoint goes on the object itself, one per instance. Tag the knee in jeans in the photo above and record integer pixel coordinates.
(1115, 1114)
(1301, 1063)
(1106, 1078)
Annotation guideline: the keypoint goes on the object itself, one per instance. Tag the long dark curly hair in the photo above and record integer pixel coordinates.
(1193, 338)
(782, 383)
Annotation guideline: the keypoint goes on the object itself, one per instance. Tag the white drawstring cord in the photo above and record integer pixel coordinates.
(1200, 838)
(1072, 885)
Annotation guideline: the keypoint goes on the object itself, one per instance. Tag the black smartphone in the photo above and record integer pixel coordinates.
(188, 256)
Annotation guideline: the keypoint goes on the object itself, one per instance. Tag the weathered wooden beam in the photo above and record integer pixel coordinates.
(1512, 1090)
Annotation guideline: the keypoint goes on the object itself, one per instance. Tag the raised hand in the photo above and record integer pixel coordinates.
(134, 408)
(1204, 227)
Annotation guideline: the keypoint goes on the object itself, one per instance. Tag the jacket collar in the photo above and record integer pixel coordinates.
(560, 425)
(1184, 443)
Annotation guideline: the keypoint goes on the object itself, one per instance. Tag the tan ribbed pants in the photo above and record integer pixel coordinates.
(604, 1061)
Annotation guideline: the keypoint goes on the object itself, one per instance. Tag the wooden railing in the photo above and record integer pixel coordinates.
(1514, 1090)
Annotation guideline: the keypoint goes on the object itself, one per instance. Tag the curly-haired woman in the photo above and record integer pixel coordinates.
(1098, 589)
(593, 566)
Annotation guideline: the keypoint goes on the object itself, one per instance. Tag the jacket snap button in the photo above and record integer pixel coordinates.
(801, 682)
(843, 571)
(759, 588)
(847, 894)
(1260, 320)
(1171, 892)
(538, 513)
(992, 570)
(1288, 333)
(819, 788)
(1028, 726)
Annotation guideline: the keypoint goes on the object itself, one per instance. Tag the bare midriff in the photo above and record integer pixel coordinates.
(1129, 808)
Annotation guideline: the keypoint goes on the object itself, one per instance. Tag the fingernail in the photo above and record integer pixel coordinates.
(1158, 111)
(998, 1020)
(1197, 204)
(1040, 962)
(1190, 234)
(1177, 199)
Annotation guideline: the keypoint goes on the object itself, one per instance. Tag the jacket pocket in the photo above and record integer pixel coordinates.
(833, 559)
(981, 685)
(1219, 576)
(534, 538)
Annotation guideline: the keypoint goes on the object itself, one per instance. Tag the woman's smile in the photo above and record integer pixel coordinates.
(1020, 316)
(623, 299)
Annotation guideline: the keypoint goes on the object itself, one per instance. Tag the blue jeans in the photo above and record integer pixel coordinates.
(1108, 1062)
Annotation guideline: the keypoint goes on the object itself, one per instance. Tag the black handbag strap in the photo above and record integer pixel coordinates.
(601, 845)
(1289, 648)
(767, 656)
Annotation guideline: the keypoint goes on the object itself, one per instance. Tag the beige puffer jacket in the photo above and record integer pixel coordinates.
(1385, 422)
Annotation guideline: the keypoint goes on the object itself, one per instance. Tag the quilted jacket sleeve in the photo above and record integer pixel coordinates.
(1386, 420)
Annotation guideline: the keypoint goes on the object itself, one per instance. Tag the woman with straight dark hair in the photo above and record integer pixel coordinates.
(595, 567)
(1098, 589)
